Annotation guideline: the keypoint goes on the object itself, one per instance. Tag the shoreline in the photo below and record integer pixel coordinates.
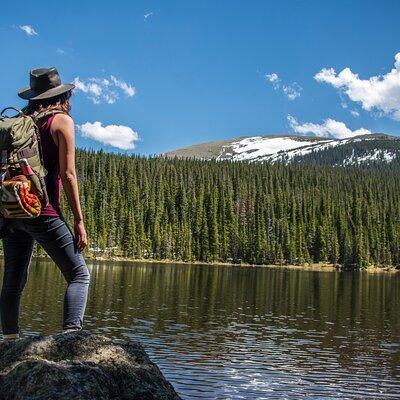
(318, 267)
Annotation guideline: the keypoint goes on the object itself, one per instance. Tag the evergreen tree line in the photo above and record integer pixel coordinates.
(193, 210)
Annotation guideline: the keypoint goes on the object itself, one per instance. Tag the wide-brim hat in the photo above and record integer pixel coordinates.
(44, 83)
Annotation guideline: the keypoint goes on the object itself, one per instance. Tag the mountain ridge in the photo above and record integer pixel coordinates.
(288, 148)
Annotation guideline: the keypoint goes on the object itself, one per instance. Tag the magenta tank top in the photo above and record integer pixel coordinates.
(51, 163)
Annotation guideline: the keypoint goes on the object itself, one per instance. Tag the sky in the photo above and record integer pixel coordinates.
(153, 76)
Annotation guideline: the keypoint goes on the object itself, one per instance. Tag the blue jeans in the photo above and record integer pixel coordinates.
(55, 236)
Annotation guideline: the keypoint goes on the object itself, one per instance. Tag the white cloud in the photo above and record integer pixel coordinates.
(292, 91)
(354, 113)
(148, 15)
(120, 136)
(329, 128)
(94, 91)
(104, 90)
(61, 51)
(28, 30)
(274, 79)
(381, 92)
(126, 88)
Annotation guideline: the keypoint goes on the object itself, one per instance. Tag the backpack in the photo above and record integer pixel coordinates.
(22, 183)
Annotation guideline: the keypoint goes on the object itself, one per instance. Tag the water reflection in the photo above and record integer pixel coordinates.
(242, 333)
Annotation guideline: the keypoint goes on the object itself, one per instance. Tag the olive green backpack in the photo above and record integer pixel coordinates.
(20, 143)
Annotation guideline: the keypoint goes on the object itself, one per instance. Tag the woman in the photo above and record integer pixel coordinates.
(47, 93)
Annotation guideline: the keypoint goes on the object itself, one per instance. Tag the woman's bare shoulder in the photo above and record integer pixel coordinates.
(62, 122)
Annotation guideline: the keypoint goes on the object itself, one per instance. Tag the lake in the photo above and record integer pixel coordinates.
(220, 332)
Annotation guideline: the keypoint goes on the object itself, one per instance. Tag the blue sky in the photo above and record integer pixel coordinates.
(193, 71)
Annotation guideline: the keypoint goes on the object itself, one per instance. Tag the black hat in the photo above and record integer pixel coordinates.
(44, 83)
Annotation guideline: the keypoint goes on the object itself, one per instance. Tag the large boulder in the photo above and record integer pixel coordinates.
(79, 366)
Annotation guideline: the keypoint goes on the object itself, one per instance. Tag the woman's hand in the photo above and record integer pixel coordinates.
(80, 235)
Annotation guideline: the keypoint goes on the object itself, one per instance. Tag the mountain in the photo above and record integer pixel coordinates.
(363, 149)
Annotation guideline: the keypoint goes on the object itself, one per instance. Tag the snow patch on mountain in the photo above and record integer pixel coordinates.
(285, 148)
(257, 147)
(376, 155)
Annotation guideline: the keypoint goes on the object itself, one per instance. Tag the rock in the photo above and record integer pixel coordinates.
(79, 366)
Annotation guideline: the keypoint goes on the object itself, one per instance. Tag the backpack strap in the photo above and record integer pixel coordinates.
(3, 164)
(38, 117)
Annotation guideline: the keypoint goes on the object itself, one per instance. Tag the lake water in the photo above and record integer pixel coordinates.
(241, 333)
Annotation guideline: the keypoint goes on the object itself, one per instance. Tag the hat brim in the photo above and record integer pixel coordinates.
(29, 94)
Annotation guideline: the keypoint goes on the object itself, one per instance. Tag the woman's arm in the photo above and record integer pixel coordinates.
(63, 130)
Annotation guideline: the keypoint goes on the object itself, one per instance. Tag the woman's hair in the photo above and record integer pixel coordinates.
(60, 102)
